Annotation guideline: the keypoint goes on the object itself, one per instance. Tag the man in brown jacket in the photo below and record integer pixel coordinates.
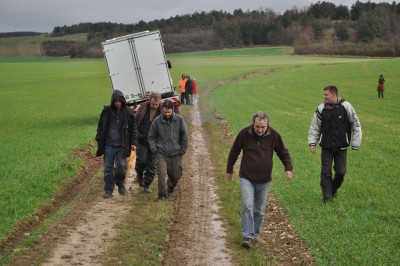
(258, 142)
(146, 160)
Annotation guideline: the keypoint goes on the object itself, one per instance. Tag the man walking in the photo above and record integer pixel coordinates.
(168, 137)
(116, 137)
(145, 159)
(257, 141)
(332, 125)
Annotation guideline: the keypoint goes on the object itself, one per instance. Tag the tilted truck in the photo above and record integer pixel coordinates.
(137, 66)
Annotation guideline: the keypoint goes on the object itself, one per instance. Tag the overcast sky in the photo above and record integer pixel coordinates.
(44, 15)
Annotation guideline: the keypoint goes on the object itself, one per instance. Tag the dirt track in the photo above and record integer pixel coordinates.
(196, 237)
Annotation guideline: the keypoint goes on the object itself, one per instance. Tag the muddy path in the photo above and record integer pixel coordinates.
(197, 235)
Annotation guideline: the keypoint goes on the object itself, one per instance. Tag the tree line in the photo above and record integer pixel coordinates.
(371, 29)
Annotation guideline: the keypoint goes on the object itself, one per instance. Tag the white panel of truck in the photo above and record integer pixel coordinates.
(137, 65)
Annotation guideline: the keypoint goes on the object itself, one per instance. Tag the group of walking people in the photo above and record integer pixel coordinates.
(160, 138)
(157, 134)
(187, 88)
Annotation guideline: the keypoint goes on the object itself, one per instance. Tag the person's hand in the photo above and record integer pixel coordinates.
(313, 149)
(133, 147)
(229, 176)
(288, 175)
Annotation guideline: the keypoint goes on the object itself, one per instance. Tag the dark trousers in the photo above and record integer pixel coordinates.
(183, 97)
(187, 98)
(169, 171)
(145, 165)
(330, 184)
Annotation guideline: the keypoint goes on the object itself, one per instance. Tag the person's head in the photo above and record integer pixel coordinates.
(331, 94)
(155, 99)
(118, 99)
(118, 103)
(261, 122)
(183, 76)
(167, 108)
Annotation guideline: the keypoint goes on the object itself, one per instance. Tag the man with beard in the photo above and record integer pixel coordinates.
(168, 137)
(258, 142)
(145, 159)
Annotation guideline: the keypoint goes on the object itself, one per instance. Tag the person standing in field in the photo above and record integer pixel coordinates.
(168, 138)
(258, 142)
(116, 137)
(381, 86)
(332, 125)
(145, 159)
(182, 87)
(194, 89)
(188, 90)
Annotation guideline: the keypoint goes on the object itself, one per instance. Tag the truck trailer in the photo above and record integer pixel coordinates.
(137, 66)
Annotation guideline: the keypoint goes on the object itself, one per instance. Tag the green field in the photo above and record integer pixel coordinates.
(50, 107)
(31, 45)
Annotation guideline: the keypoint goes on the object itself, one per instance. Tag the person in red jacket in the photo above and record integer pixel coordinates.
(258, 142)
(381, 86)
(194, 88)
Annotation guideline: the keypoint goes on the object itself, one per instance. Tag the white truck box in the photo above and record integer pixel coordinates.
(137, 66)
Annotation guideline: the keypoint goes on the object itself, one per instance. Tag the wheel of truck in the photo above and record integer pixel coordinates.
(176, 110)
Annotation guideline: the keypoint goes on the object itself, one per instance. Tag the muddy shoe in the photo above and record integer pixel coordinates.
(247, 242)
(139, 179)
(122, 190)
(147, 190)
(161, 198)
(107, 195)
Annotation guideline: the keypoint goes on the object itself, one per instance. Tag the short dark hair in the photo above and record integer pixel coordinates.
(332, 89)
(167, 104)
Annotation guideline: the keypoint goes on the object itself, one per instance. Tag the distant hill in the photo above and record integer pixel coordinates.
(19, 34)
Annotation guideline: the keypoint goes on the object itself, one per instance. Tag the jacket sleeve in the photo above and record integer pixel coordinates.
(314, 131)
(152, 137)
(183, 137)
(236, 148)
(100, 125)
(355, 126)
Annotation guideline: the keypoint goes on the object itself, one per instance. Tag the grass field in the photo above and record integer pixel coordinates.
(50, 107)
(362, 226)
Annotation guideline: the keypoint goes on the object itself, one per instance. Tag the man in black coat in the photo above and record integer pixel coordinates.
(116, 137)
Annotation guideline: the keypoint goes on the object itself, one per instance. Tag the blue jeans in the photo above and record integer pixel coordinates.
(254, 201)
(111, 155)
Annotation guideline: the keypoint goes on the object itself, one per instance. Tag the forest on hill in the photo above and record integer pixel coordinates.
(364, 29)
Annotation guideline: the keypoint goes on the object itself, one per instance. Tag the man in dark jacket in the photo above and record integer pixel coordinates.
(332, 125)
(168, 137)
(116, 137)
(145, 159)
(258, 142)
(188, 90)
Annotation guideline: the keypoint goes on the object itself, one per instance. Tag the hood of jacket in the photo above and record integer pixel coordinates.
(117, 94)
